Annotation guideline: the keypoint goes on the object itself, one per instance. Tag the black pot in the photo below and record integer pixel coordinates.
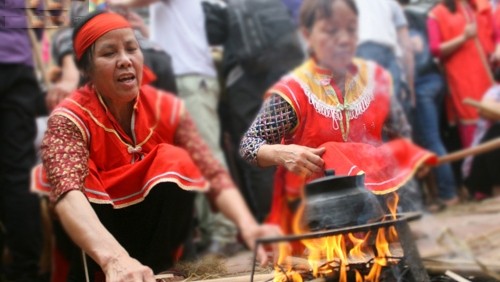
(339, 201)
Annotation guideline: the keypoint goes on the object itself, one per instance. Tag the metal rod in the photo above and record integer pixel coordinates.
(331, 232)
(400, 220)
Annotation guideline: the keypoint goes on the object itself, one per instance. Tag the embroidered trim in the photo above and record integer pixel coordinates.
(354, 109)
(67, 113)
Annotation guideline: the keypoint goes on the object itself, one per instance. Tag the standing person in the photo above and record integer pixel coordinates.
(429, 90)
(121, 161)
(329, 114)
(480, 172)
(178, 26)
(383, 38)
(257, 52)
(19, 91)
(462, 37)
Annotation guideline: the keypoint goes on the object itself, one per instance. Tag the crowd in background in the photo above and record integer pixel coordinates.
(221, 66)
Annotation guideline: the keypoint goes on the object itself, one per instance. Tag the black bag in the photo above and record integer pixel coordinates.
(262, 35)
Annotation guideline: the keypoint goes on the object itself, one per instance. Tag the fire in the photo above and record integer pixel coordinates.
(338, 255)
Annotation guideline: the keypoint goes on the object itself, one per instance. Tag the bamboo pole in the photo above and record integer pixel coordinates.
(35, 45)
(476, 150)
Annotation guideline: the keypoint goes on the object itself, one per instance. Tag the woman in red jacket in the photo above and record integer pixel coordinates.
(462, 37)
(121, 161)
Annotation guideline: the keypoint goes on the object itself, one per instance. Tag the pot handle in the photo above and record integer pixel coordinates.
(329, 172)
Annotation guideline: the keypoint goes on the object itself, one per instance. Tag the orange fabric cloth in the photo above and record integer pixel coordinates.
(352, 128)
(467, 69)
(121, 171)
(95, 28)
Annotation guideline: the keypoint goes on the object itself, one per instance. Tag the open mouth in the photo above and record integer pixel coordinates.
(126, 78)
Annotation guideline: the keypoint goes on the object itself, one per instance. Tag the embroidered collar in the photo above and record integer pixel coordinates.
(316, 82)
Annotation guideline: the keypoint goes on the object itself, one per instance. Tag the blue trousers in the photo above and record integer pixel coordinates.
(430, 91)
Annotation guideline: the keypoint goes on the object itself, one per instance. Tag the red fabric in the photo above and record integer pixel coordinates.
(434, 37)
(496, 20)
(386, 167)
(121, 171)
(466, 132)
(362, 151)
(95, 28)
(467, 69)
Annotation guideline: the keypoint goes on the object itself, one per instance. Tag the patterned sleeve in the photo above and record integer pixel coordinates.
(188, 137)
(275, 119)
(64, 156)
(397, 124)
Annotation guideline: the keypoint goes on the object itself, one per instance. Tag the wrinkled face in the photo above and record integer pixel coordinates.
(333, 40)
(117, 66)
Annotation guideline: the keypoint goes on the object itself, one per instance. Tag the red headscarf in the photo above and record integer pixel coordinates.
(96, 27)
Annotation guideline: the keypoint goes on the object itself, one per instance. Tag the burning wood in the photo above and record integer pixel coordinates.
(366, 252)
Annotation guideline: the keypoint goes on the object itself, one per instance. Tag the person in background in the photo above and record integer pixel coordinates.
(329, 113)
(178, 26)
(480, 172)
(429, 90)
(121, 161)
(383, 38)
(19, 92)
(462, 37)
(248, 70)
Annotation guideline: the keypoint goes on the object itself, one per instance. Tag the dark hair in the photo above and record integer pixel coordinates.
(312, 10)
(451, 5)
(84, 64)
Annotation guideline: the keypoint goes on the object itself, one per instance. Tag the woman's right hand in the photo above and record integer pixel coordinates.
(470, 30)
(127, 269)
(301, 160)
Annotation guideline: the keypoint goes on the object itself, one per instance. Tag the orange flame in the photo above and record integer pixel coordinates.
(337, 252)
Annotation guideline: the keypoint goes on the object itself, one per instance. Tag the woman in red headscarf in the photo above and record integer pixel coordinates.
(462, 37)
(121, 161)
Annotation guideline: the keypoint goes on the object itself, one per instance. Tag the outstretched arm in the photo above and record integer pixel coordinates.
(224, 193)
(64, 156)
(83, 226)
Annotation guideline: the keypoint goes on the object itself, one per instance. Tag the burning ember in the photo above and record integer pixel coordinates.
(356, 255)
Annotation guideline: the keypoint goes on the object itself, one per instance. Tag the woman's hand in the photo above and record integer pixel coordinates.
(58, 92)
(301, 160)
(127, 269)
(252, 232)
(423, 171)
(470, 30)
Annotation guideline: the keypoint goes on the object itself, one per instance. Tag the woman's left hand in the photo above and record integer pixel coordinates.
(252, 232)
(423, 171)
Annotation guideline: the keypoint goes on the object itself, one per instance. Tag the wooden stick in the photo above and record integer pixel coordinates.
(246, 278)
(485, 107)
(476, 150)
(455, 276)
(164, 276)
(35, 45)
